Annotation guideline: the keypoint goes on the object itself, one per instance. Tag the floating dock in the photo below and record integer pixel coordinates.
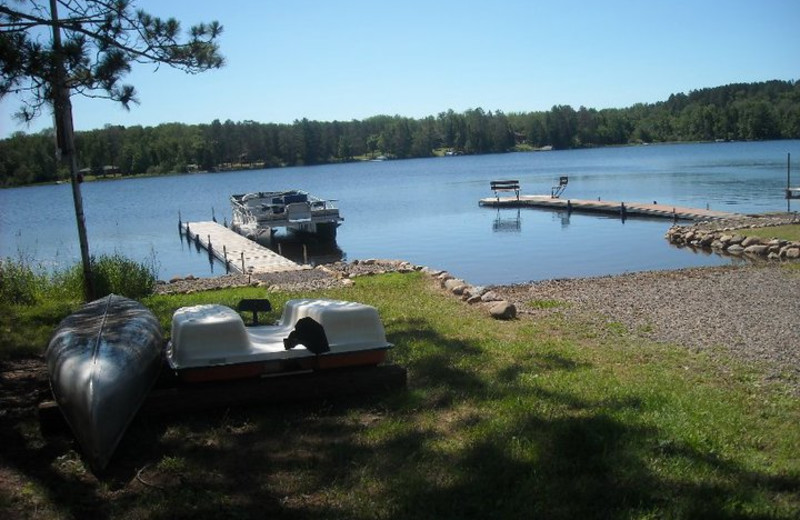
(237, 252)
(623, 209)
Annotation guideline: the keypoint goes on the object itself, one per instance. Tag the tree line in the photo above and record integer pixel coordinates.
(743, 111)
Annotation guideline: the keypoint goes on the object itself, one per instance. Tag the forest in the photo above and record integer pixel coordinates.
(742, 111)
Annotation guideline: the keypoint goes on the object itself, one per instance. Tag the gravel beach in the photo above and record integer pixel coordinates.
(750, 312)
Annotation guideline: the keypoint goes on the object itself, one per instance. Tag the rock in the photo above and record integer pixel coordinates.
(490, 296)
(735, 249)
(347, 282)
(793, 253)
(756, 249)
(473, 299)
(452, 283)
(750, 241)
(503, 310)
(773, 256)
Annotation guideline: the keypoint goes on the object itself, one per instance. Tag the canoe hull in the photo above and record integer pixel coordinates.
(102, 361)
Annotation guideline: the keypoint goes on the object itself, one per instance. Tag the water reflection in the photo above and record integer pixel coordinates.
(504, 223)
(306, 249)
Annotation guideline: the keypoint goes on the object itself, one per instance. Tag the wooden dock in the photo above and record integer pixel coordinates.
(239, 253)
(623, 209)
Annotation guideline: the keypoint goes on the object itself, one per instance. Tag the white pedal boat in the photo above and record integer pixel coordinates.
(211, 342)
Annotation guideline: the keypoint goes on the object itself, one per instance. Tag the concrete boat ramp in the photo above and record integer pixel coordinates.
(623, 209)
(239, 253)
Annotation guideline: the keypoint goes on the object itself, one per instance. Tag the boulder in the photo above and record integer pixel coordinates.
(503, 310)
(452, 283)
(793, 253)
(756, 249)
(490, 296)
(750, 241)
(735, 249)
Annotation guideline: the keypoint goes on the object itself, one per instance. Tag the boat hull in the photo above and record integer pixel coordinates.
(102, 361)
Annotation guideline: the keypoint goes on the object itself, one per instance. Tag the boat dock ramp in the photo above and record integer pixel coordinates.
(623, 209)
(239, 254)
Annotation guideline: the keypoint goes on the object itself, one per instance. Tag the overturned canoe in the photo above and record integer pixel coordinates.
(103, 360)
(210, 342)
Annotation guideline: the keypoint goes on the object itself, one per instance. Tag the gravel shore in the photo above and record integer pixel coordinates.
(749, 312)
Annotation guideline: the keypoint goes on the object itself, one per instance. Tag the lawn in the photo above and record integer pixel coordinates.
(785, 232)
(531, 418)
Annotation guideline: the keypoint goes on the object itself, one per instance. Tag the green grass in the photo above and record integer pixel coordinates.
(787, 232)
(533, 418)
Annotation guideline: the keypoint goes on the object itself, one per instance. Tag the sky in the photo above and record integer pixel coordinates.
(353, 59)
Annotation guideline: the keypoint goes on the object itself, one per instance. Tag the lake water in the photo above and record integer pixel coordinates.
(425, 210)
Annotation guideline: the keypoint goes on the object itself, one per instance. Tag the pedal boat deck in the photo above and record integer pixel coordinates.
(212, 343)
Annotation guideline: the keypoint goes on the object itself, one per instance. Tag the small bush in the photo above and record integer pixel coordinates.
(19, 284)
(22, 285)
(119, 275)
(113, 274)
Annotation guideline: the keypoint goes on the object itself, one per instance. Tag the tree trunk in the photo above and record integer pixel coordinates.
(65, 138)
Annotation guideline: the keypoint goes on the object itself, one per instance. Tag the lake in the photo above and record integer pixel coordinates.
(425, 210)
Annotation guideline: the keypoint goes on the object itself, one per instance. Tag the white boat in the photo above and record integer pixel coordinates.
(210, 342)
(102, 361)
(257, 213)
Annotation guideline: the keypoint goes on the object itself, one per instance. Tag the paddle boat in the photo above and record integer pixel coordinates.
(102, 362)
(211, 342)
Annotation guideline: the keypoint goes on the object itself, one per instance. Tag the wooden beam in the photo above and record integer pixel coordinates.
(170, 397)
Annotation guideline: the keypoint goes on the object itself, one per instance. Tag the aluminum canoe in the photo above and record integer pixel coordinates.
(102, 362)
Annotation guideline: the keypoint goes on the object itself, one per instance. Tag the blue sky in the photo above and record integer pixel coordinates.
(352, 59)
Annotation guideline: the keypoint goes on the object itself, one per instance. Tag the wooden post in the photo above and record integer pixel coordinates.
(225, 255)
(243, 270)
(305, 254)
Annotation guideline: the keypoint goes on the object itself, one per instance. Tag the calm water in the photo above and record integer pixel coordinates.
(426, 211)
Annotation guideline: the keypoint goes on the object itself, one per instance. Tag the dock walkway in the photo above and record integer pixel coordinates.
(624, 209)
(240, 253)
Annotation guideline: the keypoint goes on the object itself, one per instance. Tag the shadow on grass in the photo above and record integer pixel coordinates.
(413, 453)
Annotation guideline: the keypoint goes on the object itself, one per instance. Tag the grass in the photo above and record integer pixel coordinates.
(786, 232)
(545, 418)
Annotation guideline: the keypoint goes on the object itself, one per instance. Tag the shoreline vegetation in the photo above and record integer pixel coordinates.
(645, 395)
(737, 112)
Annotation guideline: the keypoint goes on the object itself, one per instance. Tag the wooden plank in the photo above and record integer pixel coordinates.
(627, 209)
(170, 397)
(325, 384)
(242, 254)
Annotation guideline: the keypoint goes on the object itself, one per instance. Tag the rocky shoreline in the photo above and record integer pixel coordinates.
(730, 237)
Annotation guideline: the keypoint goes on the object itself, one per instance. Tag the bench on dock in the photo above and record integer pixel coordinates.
(508, 185)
